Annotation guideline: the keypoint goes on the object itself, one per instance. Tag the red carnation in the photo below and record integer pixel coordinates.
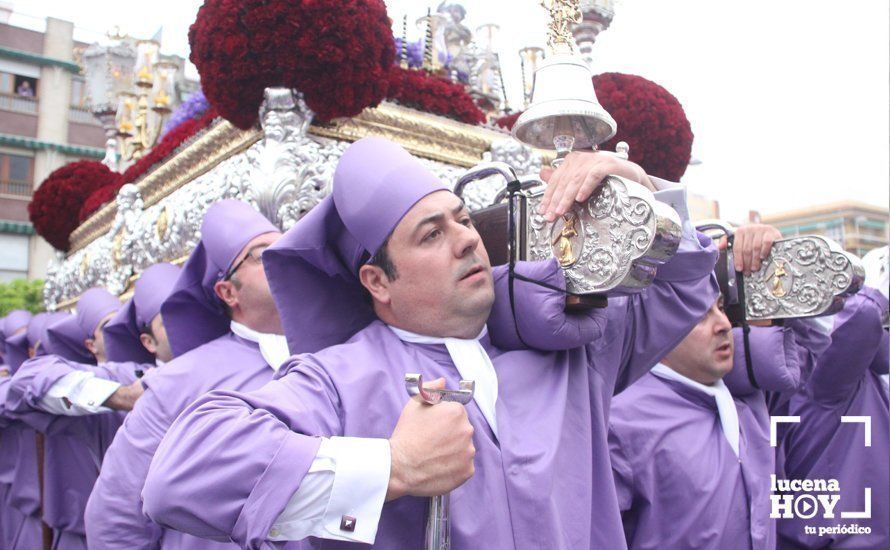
(433, 94)
(650, 120)
(57, 202)
(507, 121)
(336, 53)
(97, 199)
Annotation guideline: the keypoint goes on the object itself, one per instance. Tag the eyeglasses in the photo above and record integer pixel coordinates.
(255, 253)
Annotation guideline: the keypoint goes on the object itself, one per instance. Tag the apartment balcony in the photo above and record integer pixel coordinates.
(10, 189)
(18, 104)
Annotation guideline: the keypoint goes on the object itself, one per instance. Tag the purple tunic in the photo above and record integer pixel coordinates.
(24, 491)
(821, 447)
(546, 484)
(679, 483)
(13, 524)
(114, 516)
(74, 445)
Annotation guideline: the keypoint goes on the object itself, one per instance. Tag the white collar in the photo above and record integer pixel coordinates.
(726, 409)
(472, 362)
(408, 336)
(159, 363)
(273, 347)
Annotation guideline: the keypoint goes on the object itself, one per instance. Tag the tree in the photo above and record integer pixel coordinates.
(21, 294)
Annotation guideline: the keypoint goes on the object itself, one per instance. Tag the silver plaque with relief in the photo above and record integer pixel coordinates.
(611, 244)
(802, 277)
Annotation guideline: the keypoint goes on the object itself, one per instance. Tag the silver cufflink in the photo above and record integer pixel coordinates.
(347, 523)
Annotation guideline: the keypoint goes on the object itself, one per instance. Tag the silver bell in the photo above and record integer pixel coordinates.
(564, 113)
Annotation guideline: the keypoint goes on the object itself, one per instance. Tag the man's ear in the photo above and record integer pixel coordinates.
(375, 282)
(90, 344)
(149, 343)
(225, 290)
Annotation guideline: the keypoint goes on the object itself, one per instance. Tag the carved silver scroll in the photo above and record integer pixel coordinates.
(611, 244)
(802, 277)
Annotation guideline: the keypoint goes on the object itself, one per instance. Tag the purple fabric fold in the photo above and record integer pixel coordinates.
(679, 483)
(114, 517)
(122, 332)
(821, 446)
(65, 338)
(775, 361)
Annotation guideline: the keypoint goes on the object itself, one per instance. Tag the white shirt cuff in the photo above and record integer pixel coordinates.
(78, 393)
(342, 495)
(674, 195)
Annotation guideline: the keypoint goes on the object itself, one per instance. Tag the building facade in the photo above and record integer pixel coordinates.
(44, 124)
(856, 226)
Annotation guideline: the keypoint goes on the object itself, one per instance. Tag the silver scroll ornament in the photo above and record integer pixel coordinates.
(611, 244)
(802, 277)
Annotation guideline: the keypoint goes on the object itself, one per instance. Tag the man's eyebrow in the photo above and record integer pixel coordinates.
(432, 218)
(438, 217)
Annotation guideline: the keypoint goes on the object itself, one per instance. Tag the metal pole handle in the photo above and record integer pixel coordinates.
(438, 522)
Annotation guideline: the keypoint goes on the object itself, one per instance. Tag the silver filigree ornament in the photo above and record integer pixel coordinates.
(284, 176)
(611, 244)
(802, 277)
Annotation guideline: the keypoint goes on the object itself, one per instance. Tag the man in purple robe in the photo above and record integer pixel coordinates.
(388, 276)
(843, 433)
(15, 323)
(68, 464)
(692, 458)
(81, 401)
(4, 370)
(23, 498)
(224, 332)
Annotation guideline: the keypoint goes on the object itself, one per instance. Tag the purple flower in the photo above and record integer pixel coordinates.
(415, 53)
(193, 107)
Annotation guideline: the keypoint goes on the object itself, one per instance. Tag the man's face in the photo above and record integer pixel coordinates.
(247, 291)
(443, 285)
(157, 343)
(706, 354)
(96, 344)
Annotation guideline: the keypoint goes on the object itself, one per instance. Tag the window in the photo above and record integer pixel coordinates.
(78, 93)
(25, 86)
(15, 84)
(16, 174)
(835, 232)
(7, 83)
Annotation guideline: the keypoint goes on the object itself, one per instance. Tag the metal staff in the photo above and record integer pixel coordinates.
(438, 523)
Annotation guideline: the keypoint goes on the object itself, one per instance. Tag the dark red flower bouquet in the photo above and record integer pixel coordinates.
(507, 121)
(57, 202)
(97, 199)
(337, 53)
(433, 94)
(650, 119)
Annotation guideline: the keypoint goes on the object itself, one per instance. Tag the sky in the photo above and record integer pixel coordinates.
(789, 100)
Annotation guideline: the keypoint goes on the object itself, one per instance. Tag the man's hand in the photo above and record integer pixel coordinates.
(752, 245)
(4, 371)
(432, 448)
(125, 397)
(579, 175)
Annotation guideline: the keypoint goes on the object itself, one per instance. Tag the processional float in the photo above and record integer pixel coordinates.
(610, 245)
